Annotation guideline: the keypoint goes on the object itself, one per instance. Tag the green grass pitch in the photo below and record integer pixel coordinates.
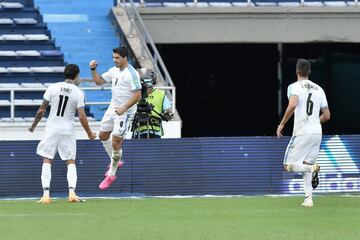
(280, 218)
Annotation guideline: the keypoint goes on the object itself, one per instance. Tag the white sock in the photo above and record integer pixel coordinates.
(46, 177)
(299, 167)
(71, 177)
(307, 177)
(108, 147)
(116, 156)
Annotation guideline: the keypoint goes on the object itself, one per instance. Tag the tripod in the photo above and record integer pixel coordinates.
(142, 119)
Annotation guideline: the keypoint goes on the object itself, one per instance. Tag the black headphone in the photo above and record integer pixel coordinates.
(148, 78)
(153, 77)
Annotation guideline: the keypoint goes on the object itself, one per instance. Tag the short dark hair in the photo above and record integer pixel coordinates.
(122, 51)
(303, 68)
(71, 70)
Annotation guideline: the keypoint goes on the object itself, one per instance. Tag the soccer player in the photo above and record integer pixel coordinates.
(306, 99)
(65, 99)
(117, 120)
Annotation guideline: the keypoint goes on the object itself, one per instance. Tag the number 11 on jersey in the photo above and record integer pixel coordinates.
(62, 105)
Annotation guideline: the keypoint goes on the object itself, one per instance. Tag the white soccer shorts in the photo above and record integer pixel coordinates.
(51, 143)
(118, 125)
(303, 148)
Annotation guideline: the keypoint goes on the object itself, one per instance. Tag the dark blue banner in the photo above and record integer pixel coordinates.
(188, 166)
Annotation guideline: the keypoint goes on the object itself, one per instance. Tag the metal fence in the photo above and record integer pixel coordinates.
(12, 102)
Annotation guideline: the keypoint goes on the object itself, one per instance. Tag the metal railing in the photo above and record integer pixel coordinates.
(37, 102)
(137, 24)
(253, 3)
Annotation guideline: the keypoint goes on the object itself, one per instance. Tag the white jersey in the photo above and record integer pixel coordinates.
(65, 99)
(307, 113)
(124, 83)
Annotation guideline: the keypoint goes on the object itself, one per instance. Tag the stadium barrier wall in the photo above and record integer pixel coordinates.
(187, 166)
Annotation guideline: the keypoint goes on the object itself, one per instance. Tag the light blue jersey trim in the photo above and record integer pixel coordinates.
(289, 91)
(125, 124)
(166, 103)
(135, 77)
(288, 149)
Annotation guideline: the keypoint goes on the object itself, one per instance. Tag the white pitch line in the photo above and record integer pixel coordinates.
(186, 196)
(41, 215)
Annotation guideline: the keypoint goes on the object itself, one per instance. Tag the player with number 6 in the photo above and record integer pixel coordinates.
(306, 100)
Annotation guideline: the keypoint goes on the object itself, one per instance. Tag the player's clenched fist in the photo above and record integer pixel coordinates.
(93, 64)
(92, 136)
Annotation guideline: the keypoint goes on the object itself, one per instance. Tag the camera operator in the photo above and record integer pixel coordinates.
(158, 104)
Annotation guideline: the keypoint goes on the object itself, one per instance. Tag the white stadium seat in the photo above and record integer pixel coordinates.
(37, 101)
(25, 21)
(266, 4)
(174, 4)
(5, 103)
(11, 5)
(313, 4)
(18, 69)
(9, 85)
(8, 54)
(243, 4)
(6, 21)
(220, 4)
(335, 3)
(41, 69)
(13, 37)
(58, 68)
(36, 37)
(28, 53)
(31, 119)
(289, 4)
(23, 102)
(32, 85)
(17, 119)
(198, 4)
(3, 70)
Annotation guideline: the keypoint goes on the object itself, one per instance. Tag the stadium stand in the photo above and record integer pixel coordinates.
(28, 58)
(84, 32)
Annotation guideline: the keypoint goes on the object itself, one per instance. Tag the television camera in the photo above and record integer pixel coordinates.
(143, 114)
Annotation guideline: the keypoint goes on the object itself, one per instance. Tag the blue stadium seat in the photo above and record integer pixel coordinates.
(27, 45)
(21, 13)
(31, 77)
(26, 3)
(27, 57)
(31, 61)
(24, 29)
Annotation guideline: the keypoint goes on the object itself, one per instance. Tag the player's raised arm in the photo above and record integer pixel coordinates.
(85, 124)
(95, 75)
(39, 115)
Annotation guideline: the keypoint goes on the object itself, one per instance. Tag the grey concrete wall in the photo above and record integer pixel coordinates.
(252, 24)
